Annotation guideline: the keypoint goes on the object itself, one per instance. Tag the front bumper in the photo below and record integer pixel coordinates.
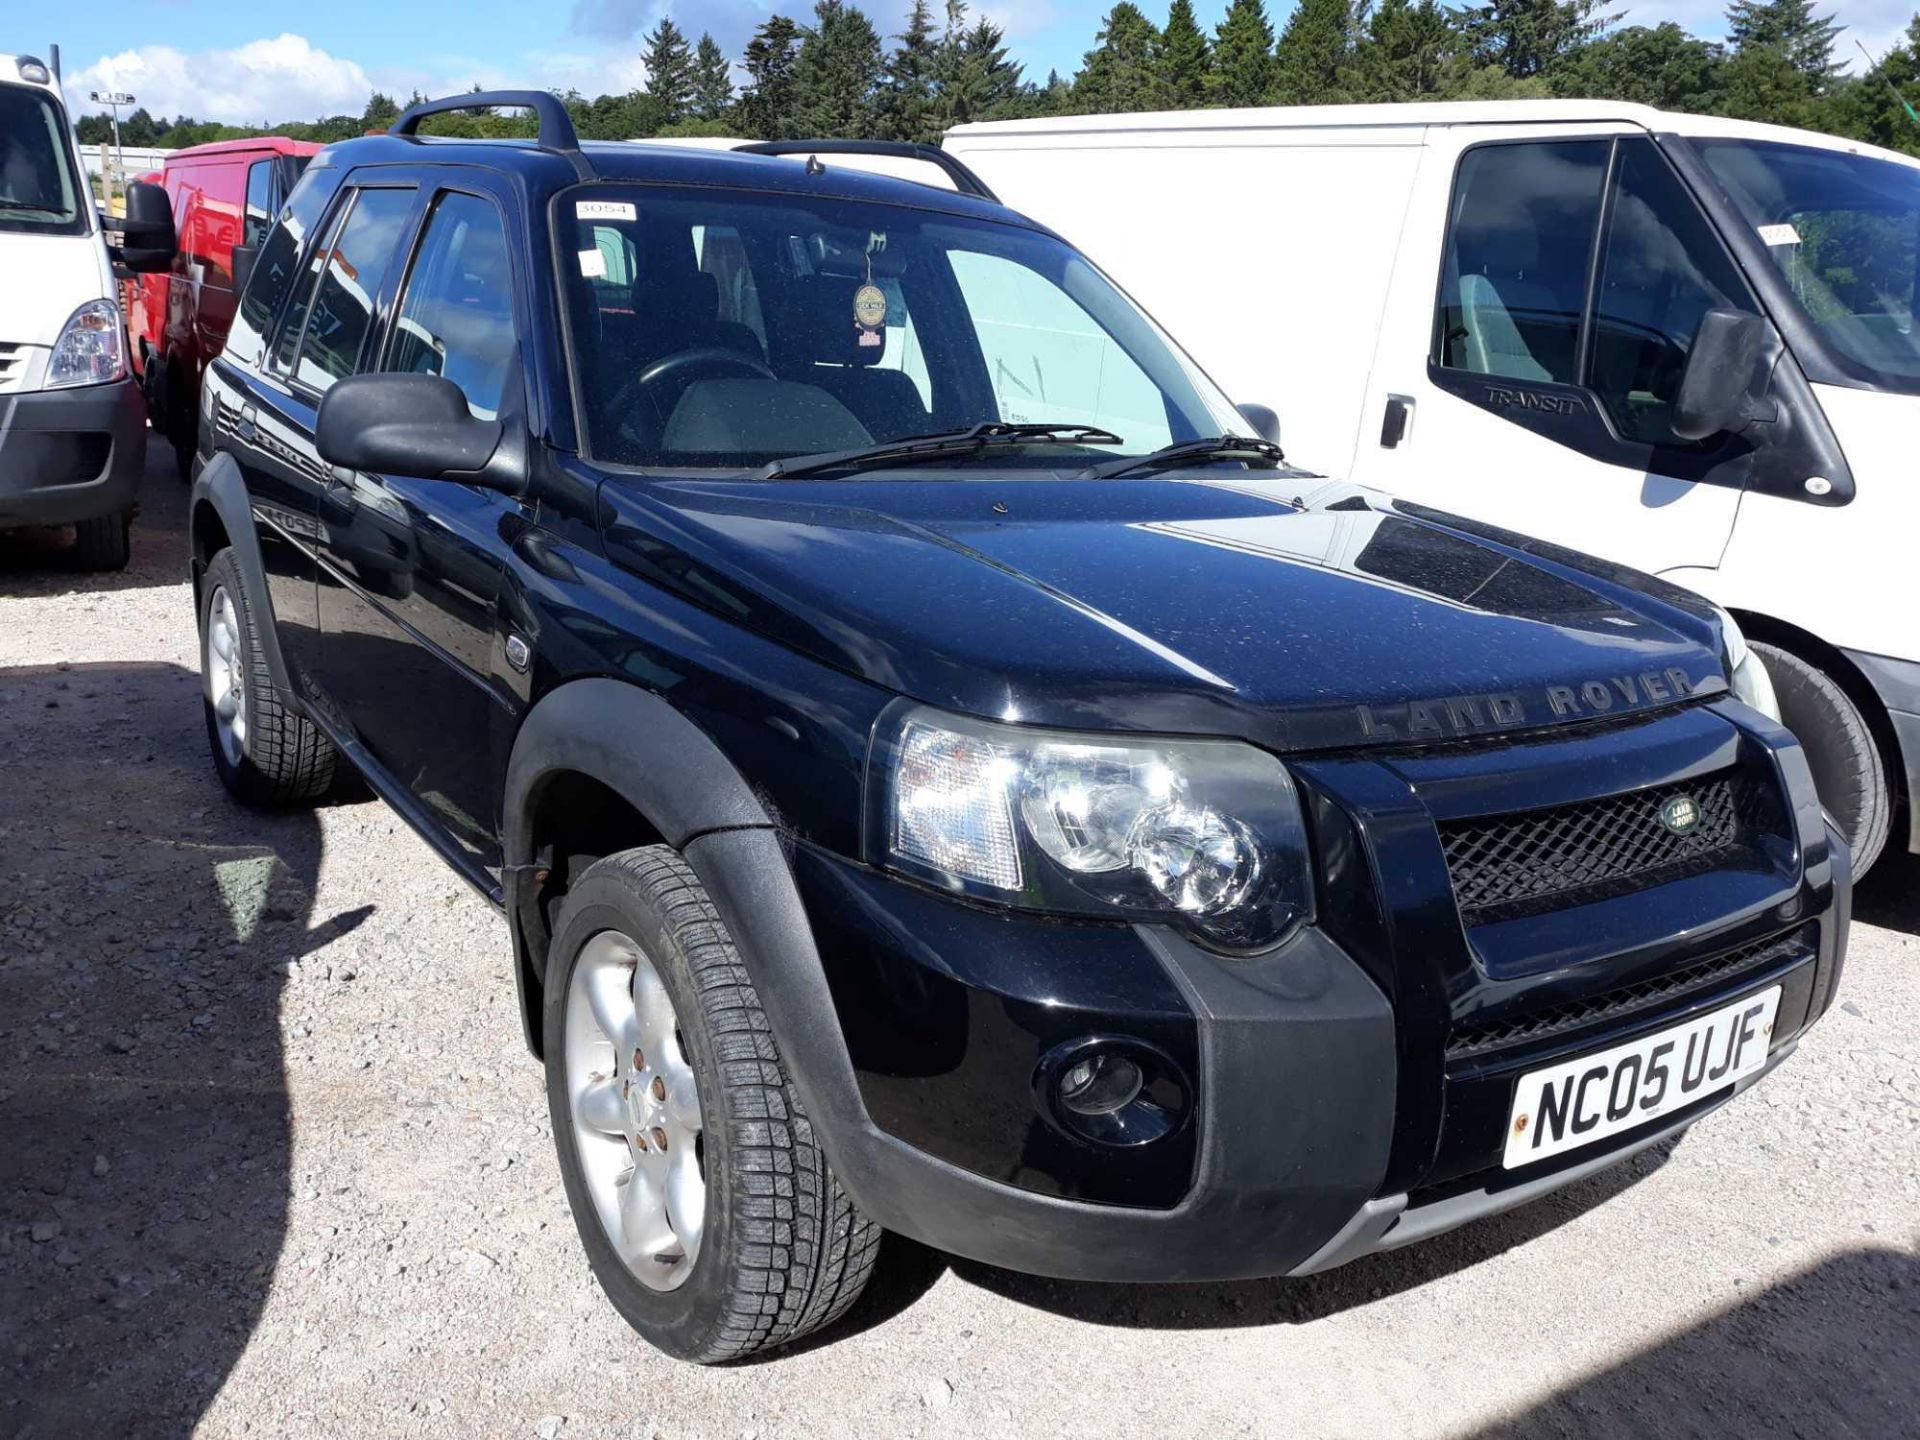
(68, 455)
(1347, 1097)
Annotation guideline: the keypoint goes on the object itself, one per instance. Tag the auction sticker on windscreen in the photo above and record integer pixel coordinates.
(1586, 1100)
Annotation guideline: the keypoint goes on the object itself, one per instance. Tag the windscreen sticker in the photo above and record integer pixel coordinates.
(1779, 235)
(604, 210)
(593, 264)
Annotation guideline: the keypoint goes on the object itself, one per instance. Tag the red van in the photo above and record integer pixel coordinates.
(225, 196)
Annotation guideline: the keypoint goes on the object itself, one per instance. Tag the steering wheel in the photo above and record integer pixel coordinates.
(649, 386)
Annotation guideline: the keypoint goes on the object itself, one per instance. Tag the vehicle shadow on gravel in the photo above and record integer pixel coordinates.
(1284, 1301)
(1830, 1351)
(147, 927)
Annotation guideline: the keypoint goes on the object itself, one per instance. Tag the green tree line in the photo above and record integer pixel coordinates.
(837, 75)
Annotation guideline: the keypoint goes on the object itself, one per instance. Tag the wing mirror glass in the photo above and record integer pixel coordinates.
(1263, 418)
(1723, 388)
(414, 425)
(147, 242)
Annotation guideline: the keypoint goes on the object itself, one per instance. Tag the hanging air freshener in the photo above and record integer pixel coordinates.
(870, 306)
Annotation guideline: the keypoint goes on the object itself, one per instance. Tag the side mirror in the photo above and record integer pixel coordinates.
(1265, 422)
(147, 242)
(243, 258)
(1723, 387)
(417, 425)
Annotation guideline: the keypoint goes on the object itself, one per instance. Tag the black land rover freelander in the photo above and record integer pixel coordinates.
(941, 770)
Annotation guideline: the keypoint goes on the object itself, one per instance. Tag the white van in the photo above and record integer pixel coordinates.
(72, 424)
(1685, 343)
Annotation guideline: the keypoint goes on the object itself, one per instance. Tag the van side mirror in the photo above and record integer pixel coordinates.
(1723, 388)
(243, 258)
(147, 242)
(1265, 422)
(416, 425)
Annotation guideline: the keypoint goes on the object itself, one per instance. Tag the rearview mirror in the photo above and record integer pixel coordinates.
(1265, 422)
(1723, 387)
(416, 425)
(147, 242)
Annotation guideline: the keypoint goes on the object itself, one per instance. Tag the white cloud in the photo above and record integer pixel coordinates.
(260, 82)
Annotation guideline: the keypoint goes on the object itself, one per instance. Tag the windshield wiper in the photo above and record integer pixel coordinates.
(1216, 447)
(29, 207)
(945, 442)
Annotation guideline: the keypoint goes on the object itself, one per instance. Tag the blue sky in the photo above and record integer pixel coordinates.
(260, 61)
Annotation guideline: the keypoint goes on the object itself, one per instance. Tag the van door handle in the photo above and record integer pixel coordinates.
(1397, 421)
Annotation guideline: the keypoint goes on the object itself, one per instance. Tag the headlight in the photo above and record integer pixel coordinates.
(92, 349)
(1746, 672)
(1204, 832)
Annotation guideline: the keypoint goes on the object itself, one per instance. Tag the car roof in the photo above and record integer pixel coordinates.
(1409, 115)
(272, 144)
(660, 163)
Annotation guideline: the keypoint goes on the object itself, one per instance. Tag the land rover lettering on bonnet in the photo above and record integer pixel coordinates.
(1032, 818)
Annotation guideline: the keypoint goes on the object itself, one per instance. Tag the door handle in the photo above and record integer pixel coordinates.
(1397, 422)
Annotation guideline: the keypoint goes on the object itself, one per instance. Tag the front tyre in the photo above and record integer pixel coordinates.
(265, 753)
(103, 543)
(1848, 772)
(704, 1201)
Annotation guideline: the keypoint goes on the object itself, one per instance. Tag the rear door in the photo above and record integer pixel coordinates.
(411, 569)
(1545, 300)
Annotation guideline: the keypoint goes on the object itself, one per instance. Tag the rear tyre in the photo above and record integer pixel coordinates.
(265, 754)
(705, 1203)
(105, 543)
(1848, 771)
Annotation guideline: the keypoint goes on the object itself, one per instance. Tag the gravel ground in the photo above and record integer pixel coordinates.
(273, 1162)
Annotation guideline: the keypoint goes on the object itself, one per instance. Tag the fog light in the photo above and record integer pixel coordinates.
(1100, 1085)
(1112, 1090)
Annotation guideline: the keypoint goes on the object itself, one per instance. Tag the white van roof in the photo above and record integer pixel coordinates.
(1409, 116)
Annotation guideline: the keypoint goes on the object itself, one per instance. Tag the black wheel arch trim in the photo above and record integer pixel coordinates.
(221, 486)
(637, 744)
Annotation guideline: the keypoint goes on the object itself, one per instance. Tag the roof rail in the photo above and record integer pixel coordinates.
(556, 125)
(964, 180)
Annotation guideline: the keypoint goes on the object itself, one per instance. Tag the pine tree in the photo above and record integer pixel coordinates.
(669, 69)
(1791, 27)
(381, 112)
(987, 80)
(1183, 56)
(1408, 51)
(1311, 52)
(1662, 66)
(838, 73)
(1118, 74)
(1526, 38)
(712, 80)
(1242, 70)
(1885, 106)
(906, 97)
(770, 102)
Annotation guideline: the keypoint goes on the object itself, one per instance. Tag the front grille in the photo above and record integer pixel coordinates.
(1506, 865)
(13, 365)
(1479, 1039)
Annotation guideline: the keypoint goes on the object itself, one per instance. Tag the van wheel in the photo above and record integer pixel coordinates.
(705, 1203)
(264, 753)
(105, 543)
(1848, 771)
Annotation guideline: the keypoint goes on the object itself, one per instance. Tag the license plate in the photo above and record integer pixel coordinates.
(1584, 1101)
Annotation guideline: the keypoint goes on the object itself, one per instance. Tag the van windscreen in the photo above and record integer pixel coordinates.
(39, 191)
(1844, 231)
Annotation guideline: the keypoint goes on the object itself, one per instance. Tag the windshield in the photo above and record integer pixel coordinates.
(715, 328)
(38, 188)
(1842, 230)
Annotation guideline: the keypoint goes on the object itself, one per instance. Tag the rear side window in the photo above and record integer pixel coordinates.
(348, 269)
(456, 313)
(1514, 280)
(276, 267)
(259, 202)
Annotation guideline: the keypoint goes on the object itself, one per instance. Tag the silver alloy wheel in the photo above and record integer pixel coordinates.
(224, 665)
(636, 1111)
